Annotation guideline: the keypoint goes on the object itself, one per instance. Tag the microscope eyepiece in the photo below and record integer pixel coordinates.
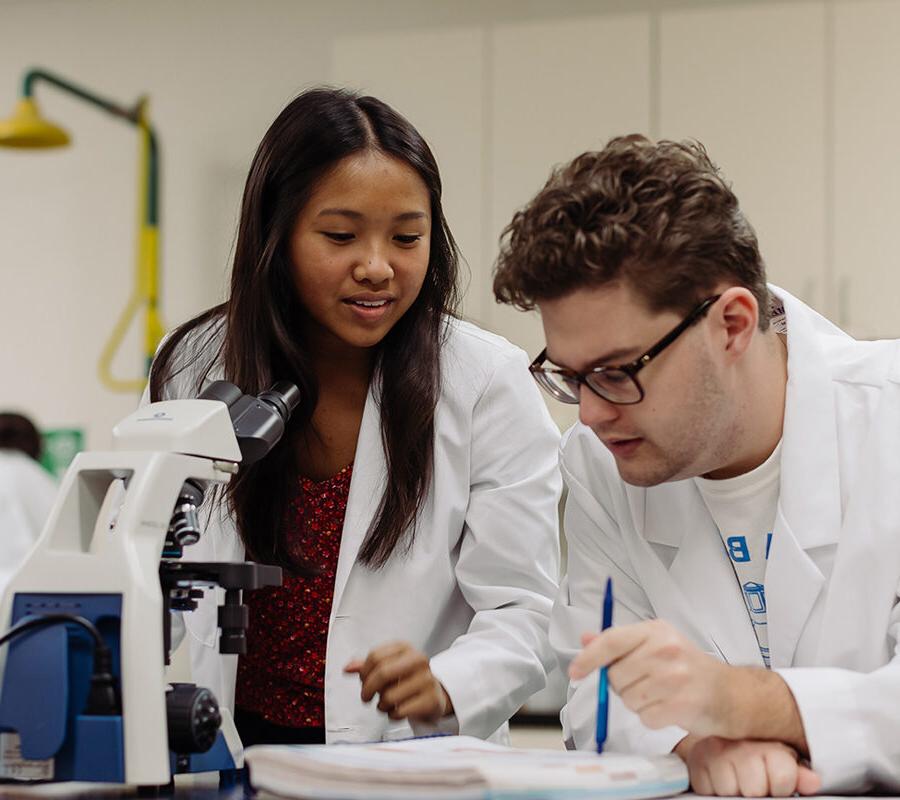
(259, 422)
(284, 397)
(224, 391)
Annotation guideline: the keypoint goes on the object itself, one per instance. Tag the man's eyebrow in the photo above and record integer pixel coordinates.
(621, 355)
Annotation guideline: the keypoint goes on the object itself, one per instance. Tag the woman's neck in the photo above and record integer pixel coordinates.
(343, 374)
(337, 364)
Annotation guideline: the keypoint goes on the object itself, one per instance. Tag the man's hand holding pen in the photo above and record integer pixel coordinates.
(659, 675)
(744, 729)
(667, 680)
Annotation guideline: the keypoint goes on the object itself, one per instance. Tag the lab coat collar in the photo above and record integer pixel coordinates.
(810, 496)
(809, 506)
(366, 489)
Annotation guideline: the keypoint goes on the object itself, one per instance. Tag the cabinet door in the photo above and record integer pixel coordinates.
(749, 82)
(557, 89)
(867, 167)
(435, 79)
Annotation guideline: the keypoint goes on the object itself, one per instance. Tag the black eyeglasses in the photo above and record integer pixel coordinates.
(616, 384)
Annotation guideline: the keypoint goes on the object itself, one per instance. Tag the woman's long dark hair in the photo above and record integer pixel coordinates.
(263, 322)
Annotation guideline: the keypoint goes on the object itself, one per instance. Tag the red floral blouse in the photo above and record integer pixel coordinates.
(282, 675)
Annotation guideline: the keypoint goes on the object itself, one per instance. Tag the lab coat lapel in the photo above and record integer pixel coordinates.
(793, 582)
(698, 592)
(705, 577)
(366, 489)
(809, 507)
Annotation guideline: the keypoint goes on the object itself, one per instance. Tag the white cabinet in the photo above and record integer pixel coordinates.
(795, 101)
(558, 89)
(435, 78)
(500, 105)
(749, 82)
(867, 167)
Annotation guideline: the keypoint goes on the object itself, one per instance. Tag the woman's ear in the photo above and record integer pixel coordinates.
(737, 314)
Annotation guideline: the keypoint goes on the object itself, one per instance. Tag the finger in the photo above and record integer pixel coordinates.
(379, 654)
(658, 714)
(391, 670)
(750, 768)
(781, 769)
(723, 777)
(608, 647)
(405, 689)
(587, 638)
(701, 783)
(428, 706)
(353, 666)
(808, 782)
(638, 692)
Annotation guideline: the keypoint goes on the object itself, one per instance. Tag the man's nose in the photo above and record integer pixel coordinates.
(594, 411)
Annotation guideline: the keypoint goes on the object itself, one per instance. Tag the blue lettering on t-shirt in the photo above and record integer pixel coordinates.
(768, 543)
(737, 549)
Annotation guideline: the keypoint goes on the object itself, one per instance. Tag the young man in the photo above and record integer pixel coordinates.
(735, 471)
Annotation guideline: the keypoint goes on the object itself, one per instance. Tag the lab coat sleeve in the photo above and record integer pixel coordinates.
(851, 721)
(27, 495)
(595, 553)
(19, 535)
(508, 563)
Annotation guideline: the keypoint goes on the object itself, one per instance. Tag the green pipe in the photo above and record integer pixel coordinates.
(34, 75)
(132, 115)
(152, 180)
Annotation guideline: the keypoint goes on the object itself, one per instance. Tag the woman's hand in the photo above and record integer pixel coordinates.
(401, 676)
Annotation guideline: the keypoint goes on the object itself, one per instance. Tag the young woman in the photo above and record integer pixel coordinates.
(412, 501)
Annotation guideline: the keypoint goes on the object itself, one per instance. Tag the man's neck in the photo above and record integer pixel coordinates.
(761, 420)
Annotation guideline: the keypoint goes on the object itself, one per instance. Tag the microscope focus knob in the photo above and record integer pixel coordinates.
(193, 718)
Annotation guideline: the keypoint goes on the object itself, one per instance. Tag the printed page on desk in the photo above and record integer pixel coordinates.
(458, 768)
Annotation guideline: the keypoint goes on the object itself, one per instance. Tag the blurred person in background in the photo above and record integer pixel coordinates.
(26, 491)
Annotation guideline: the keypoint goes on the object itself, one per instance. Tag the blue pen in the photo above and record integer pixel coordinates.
(603, 688)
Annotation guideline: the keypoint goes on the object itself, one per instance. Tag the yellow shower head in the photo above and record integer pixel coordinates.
(26, 128)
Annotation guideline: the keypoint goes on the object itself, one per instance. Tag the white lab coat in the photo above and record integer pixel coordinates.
(833, 569)
(475, 591)
(27, 493)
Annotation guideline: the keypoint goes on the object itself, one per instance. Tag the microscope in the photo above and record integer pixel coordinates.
(85, 624)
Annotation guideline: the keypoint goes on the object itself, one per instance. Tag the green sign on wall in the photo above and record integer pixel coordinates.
(60, 447)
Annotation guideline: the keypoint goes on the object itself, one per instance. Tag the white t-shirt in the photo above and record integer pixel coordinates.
(744, 510)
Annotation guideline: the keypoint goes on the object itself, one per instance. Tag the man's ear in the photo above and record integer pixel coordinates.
(737, 313)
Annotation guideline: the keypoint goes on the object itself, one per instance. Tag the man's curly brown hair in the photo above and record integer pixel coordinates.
(655, 215)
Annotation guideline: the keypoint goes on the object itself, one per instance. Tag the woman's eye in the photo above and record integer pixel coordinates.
(338, 237)
(411, 238)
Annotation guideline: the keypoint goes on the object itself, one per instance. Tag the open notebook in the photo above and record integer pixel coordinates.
(457, 767)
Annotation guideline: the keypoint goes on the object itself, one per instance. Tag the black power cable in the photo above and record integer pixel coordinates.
(103, 699)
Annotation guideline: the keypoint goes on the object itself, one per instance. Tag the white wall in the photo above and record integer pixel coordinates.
(793, 99)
